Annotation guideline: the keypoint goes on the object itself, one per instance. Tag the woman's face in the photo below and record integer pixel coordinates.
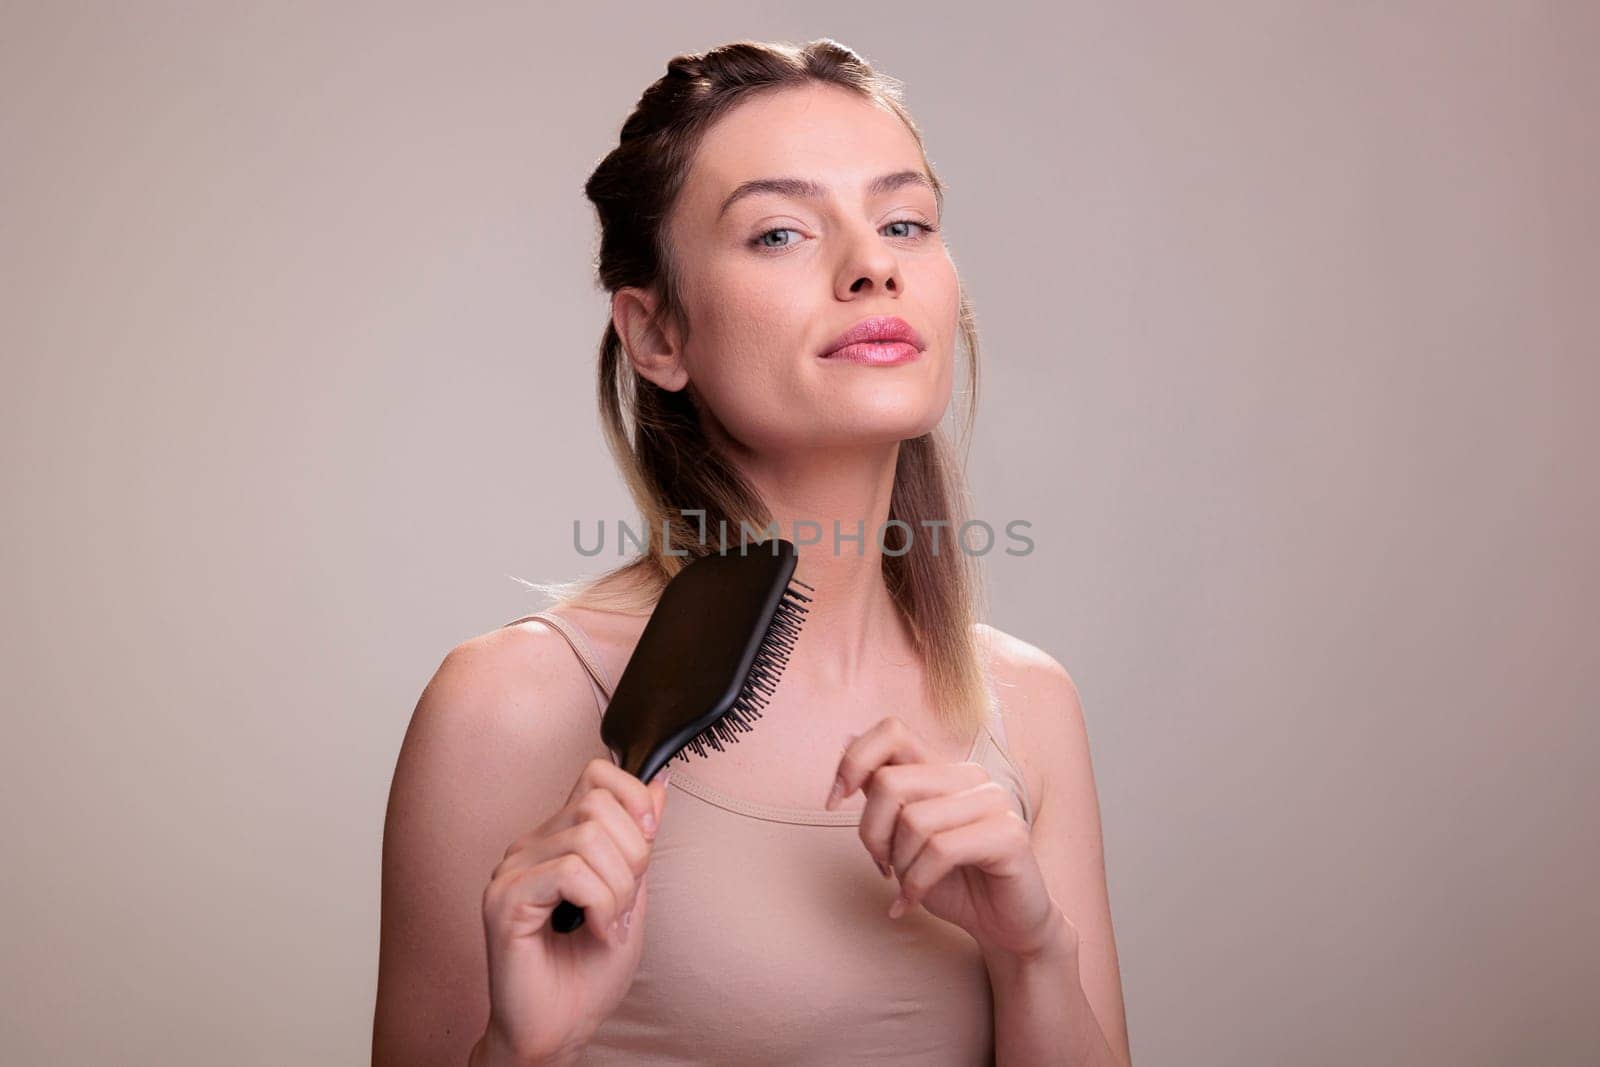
(773, 279)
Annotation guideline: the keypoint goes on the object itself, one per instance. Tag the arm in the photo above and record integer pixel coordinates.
(1070, 997)
(499, 734)
(1040, 1008)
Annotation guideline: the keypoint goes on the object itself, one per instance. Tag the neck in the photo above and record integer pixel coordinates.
(852, 622)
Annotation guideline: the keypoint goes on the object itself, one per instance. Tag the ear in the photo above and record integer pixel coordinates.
(652, 347)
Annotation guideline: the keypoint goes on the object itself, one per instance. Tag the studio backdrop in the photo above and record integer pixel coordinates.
(1288, 364)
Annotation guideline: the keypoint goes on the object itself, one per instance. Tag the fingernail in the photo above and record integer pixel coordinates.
(898, 908)
(627, 919)
(616, 930)
(883, 868)
(649, 822)
(836, 793)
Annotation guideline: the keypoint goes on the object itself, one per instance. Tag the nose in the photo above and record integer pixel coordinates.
(868, 267)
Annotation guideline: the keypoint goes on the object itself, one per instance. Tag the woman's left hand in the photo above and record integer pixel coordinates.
(950, 834)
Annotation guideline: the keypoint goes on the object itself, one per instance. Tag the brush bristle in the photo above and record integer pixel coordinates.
(772, 655)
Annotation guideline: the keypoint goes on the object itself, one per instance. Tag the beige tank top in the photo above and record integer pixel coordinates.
(769, 940)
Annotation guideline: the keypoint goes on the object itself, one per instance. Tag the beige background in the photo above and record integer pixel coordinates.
(1290, 349)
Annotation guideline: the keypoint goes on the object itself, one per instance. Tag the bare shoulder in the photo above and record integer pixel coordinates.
(1023, 663)
(509, 716)
(520, 685)
(1040, 706)
(612, 635)
(500, 735)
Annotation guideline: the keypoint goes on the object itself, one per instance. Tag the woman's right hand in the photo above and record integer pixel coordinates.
(549, 991)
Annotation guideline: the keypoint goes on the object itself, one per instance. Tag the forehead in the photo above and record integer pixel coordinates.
(819, 133)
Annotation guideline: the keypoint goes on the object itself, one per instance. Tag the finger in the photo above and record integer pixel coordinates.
(920, 820)
(990, 843)
(634, 847)
(658, 793)
(891, 788)
(521, 901)
(625, 875)
(595, 844)
(600, 807)
(890, 741)
(599, 804)
(634, 794)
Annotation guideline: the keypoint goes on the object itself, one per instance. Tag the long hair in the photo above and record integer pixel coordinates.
(655, 435)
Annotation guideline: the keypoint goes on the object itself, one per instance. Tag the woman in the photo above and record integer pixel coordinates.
(763, 202)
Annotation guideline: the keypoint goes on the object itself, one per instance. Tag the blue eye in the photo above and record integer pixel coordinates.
(911, 222)
(759, 241)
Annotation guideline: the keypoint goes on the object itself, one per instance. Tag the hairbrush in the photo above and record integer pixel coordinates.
(708, 660)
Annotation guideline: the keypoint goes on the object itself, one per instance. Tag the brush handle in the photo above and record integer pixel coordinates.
(567, 918)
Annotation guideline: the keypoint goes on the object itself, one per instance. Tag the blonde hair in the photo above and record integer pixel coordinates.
(655, 435)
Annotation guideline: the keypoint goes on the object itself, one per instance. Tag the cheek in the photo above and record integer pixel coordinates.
(745, 359)
(751, 362)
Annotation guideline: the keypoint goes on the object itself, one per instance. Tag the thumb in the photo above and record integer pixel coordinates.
(658, 792)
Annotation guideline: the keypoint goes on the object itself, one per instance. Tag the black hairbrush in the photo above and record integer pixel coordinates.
(710, 656)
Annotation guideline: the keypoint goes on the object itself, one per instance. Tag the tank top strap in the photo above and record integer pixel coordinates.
(1003, 769)
(599, 680)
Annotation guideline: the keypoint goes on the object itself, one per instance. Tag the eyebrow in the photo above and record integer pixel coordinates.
(805, 189)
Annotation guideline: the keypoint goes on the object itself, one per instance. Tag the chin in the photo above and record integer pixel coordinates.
(882, 424)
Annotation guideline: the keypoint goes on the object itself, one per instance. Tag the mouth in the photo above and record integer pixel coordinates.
(881, 340)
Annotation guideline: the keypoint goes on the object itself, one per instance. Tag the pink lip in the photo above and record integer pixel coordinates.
(881, 340)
